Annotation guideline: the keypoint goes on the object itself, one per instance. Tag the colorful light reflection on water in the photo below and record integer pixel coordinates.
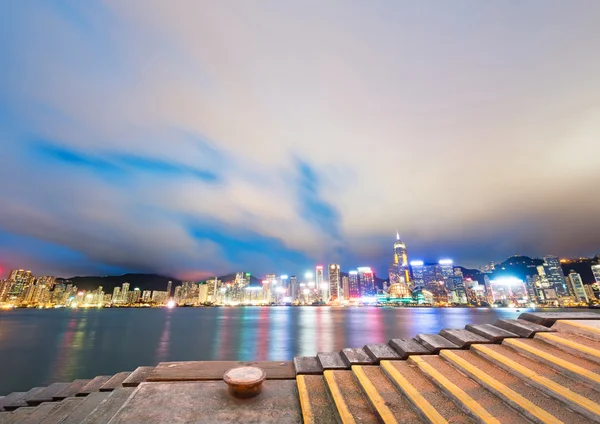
(38, 347)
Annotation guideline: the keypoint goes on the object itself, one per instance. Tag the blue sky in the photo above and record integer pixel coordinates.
(202, 138)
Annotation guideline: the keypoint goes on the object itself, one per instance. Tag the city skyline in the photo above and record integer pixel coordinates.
(192, 140)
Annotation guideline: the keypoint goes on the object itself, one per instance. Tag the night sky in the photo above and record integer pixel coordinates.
(202, 137)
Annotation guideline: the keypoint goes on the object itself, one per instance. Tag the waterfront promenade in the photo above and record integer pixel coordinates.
(542, 367)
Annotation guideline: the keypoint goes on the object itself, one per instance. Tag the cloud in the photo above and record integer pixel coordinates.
(202, 138)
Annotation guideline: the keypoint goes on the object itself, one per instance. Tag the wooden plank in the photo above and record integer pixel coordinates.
(94, 385)
(407, 347)
(547, 319)
(491, 332)
(138, 376)
(462, 338)
(434, 342)
(115, 381)
(307, 365)
(13, 401)
(332, 361)
(356, 356)
(214, 370)
(521, 327)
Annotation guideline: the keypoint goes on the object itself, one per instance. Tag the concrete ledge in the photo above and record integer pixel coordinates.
(549, 318)
(214, 370)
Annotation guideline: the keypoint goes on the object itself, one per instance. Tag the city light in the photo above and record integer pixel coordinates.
(171, 304)
(284, 277)
(507, 281)
(308, 275)
(446, 262)
(416, 263)
(353, 272)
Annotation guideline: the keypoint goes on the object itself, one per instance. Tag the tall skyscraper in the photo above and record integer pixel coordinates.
(577, 287)
(345, 288)
(125, 293)
(366, 280)
(596, 272)
(321, 286)
(353, 285)
(555, 275)
(116, 296)
(294, 288)
(417, 273)
(169, 287)
(401, 260)
(21, 281)
(334, 281)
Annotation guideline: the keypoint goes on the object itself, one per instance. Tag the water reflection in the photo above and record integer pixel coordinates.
(62, 345)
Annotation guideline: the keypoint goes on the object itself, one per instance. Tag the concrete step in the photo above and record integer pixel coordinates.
(390, 406)
(434, 342)
(87, 405)
(351, 404)
(17, 415)
(138, 376)
(490, 332)
(94, 385)
(407, 347)
(315, 401)
(308, 365)
(575, 395)
(332, 361)
(381, 351)
(463, 338)
(45, 395)
(521, 327)
(62, 411)
(547, 319)
(107, 409)
(526, 399)
(468, 395)
(356, 356)
(13, 401)
(579, 346)
(425, 397)
(71, 390)
(115, 381)
(585, 328)
(40, 413)
(565, 363)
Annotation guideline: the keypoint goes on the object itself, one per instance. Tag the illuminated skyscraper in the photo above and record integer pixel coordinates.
(116, 297)
(345, 288)
(169, 287)
(321, 285)
(353, 285)
(366, 280)
(125, 293)
(417, 273)
(577, 287)
(21, 280)
(294, 287)
(555, 275)
(401, 260)
(334, 281)
(596, 272)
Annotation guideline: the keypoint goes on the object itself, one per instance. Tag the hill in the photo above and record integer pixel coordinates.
(109, 282)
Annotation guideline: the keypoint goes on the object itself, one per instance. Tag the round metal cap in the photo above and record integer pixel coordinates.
(245, 382)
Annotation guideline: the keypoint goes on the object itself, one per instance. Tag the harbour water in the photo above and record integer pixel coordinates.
(38, 347)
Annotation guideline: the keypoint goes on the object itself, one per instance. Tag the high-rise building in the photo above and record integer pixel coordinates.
(146, 296)
(417, 273)
(555, 275)
(321, 286)
(203, 293)
(116, 296)
(345, 288)
(334, 281)
(21, 280)
(596, 272)
(366, 280)
(353, 285)
(577, 287)
(125, 293)
(446, 269)
(294, 288)
(401, 260)
(169, 287)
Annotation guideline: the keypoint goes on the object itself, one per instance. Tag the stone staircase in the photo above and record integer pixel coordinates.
(542, 368)
(535, 369)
